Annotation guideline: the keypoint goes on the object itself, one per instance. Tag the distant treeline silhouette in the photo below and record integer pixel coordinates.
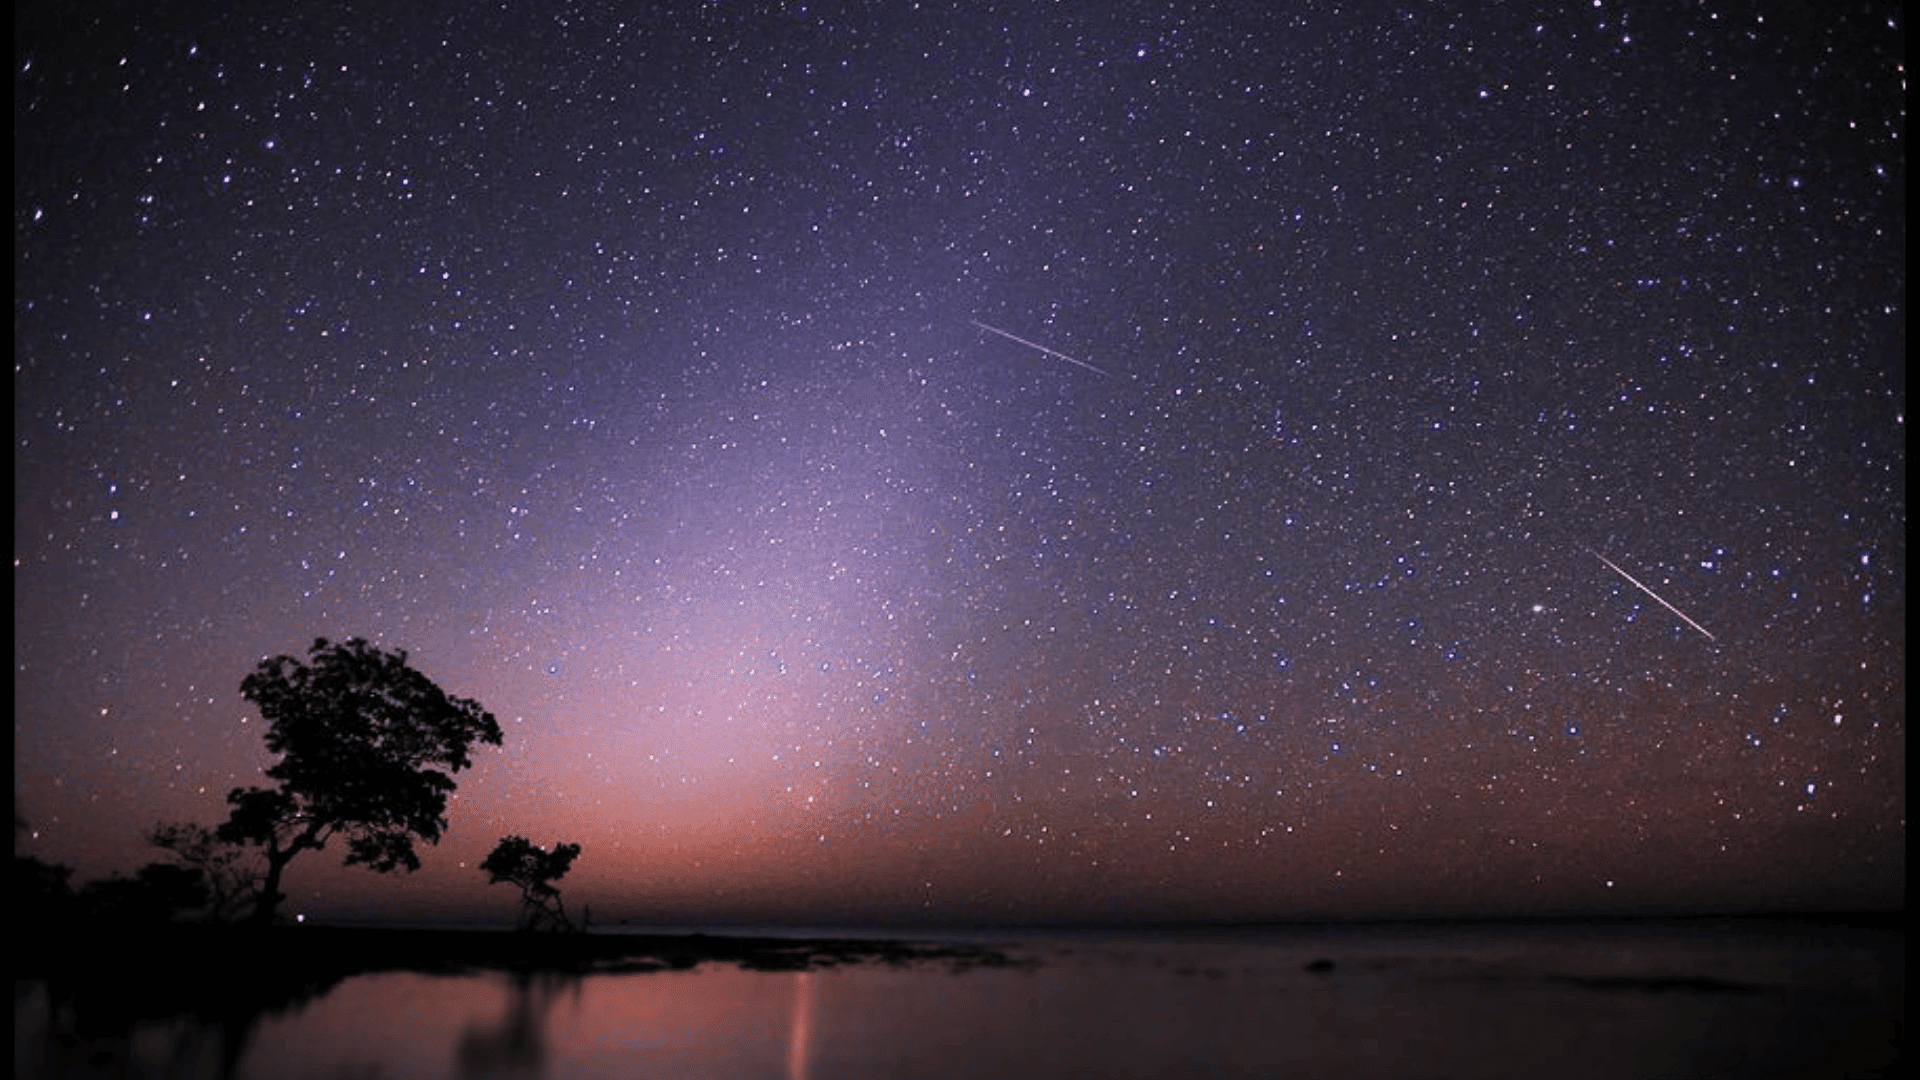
(367, 747)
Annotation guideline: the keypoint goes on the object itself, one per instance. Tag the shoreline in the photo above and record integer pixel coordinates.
(111, 977)
(335, 952)
(285, 954)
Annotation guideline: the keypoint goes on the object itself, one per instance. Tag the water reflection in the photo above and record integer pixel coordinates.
(50, 1039)
(1365, 1002)
(800, 1031)
(97, 1020)
(515, 1046)
(713, 1021)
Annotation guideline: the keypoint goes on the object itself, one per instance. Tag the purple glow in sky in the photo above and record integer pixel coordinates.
(624, 364)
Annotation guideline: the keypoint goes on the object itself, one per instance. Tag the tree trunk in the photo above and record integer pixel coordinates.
(277, 860)
(270, 894)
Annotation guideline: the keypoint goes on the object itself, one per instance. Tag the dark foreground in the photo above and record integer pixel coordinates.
(1731, 997)
(331, 952)
(118, 975)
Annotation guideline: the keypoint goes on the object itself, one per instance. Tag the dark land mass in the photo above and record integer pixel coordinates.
(211, 970)
(81, 952)
(338, 952)
(123, 972)
(101, 981)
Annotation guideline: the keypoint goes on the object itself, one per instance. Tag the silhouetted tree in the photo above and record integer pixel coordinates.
(41, 892)
(359, 733)
(534, 870)
(231, 878)
(157, 893)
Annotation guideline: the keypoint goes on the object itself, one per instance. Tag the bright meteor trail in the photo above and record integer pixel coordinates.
(1655, 595)
(1042, 348)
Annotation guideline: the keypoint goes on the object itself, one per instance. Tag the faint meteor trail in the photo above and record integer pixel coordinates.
(1042, 348)
(1655, 595)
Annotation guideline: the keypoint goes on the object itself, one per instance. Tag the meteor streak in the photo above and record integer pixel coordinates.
(1655, 595)
(1042, 348)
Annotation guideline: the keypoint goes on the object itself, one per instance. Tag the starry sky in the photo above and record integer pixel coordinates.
(986, 461)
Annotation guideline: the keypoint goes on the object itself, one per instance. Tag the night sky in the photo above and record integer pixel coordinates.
(985, 461)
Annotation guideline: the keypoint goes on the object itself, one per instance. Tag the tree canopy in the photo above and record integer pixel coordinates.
(367, 745)
(517, 860)
(157, 893)
(223, 867)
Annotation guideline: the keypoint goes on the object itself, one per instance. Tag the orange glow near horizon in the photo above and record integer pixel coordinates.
(1246, 569)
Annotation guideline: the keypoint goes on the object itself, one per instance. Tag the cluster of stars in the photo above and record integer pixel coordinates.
(982, 463)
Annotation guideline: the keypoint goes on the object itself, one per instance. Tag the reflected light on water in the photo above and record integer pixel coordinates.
(1499, 1004)
(716, 1021)
(800, 1032)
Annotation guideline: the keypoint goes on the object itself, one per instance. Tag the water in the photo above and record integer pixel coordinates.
(1620, 1000)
